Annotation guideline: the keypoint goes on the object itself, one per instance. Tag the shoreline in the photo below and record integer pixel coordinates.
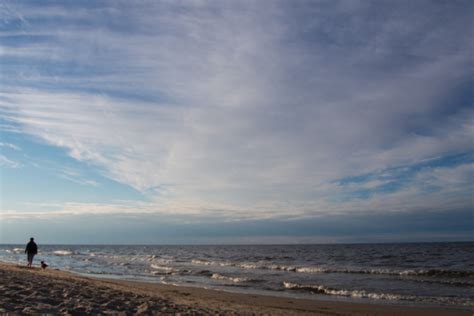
(32, 291)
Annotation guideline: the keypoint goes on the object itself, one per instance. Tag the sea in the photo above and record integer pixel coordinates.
(433, 274)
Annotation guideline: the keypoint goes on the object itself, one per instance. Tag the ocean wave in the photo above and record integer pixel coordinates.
(318, 269)
(217, 276)
(249, 266)
(211, 263)
(151, 258)
(161, 269)
(439, 273)
(63, 253)
(263, 266)
(288, 268)
(323, 290)
(160, 273)
(18, 250)
(414, 272)
(312, 270)
(115, 273)
(282, 268)
(201, 262)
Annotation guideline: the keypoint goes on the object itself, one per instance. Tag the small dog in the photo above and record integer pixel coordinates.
(43, 265)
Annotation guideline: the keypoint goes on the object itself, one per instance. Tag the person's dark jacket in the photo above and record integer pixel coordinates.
(31, 248)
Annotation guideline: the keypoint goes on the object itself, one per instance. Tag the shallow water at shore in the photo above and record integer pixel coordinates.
(429, 273)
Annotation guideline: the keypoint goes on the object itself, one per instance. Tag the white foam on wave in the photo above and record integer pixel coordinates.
(282, 268)
(279, 267)
(249, 266)
(159, 269)
(321, 289)
(211, 263)
(312, 270)
(166, 282)
(217, 276)
(319, 269)
(18, 250)
(62, 253)
(201, 262)
(151, 258)
(438, 273)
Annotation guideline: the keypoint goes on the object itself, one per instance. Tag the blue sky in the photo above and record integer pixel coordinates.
(236, 121)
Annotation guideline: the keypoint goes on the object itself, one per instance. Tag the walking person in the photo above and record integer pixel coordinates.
(31, 250)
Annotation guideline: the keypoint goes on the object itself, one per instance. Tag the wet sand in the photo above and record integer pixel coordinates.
(36, 291)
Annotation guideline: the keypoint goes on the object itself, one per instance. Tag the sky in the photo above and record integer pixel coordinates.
(210, 122)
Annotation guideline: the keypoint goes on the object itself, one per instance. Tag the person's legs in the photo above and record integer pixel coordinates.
(30, 259)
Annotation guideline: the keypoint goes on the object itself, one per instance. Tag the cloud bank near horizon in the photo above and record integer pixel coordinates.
(247, 110)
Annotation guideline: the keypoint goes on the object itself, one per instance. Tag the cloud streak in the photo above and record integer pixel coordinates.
(5, 162)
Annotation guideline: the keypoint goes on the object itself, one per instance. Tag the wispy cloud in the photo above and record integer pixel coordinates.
(9, 146)
(5, 162)
(430, 189)
(76, 177)
(247, 108)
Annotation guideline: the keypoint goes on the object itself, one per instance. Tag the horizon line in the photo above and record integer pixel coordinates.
(256, 244)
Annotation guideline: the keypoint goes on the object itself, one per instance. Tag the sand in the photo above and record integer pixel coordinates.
(35, 291)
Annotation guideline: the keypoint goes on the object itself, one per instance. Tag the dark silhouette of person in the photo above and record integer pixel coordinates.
(31, 250)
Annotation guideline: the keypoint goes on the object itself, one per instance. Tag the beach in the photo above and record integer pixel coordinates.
(36, 291)
(409, 274)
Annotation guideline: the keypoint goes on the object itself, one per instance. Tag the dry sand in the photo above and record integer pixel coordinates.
(36, 291)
